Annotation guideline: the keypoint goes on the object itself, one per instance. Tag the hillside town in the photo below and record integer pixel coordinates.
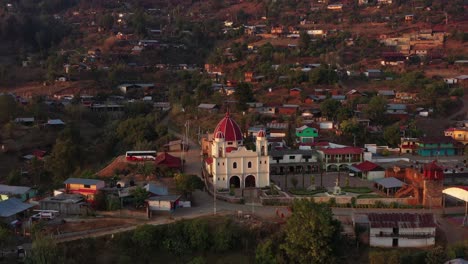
(233, 131)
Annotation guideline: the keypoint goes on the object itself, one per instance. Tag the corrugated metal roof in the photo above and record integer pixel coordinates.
(13, 190)
(13, 206)
(390, 182)
(82, 181)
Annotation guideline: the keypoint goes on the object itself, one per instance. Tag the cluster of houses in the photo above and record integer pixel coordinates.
(77, 197)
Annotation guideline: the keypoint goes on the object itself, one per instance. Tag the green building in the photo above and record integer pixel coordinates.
(306, 134)
(438, 146)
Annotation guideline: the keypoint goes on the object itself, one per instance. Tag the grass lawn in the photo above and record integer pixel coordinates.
(367, 196)
(356, 189)
(306, 192)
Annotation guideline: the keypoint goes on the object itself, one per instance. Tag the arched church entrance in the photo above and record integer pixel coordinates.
(234, 181)
(249, 181)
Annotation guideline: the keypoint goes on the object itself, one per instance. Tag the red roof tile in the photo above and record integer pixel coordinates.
(366, 166)
(341, 151)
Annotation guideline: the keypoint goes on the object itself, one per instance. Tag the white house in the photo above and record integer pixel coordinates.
(401, 230)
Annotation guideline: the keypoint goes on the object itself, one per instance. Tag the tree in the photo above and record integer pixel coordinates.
(188, 183)
(198, 233)
(44, 251)
(391, 135)
(136, 129)
(106, 21)
(265, 253)
(139, 196)
(436, 255)
(243, 95)
(304, 41)
(329, 108)
(311, 233)
(5, 237)
(14, 177)
(376, 109)
(64, 158)
(8, 108)
(350, 127)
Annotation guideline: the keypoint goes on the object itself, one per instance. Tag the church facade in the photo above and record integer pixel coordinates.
(231, 164)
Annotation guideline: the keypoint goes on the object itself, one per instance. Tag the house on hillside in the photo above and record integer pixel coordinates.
(405, 97)
(459, 134)
(288, 109)
(408, 145)
(27, 121)
(23, 193)
(306, 134)
(55, 123)
(169, 161)
(86, 187)
(401, 230)
(396, 109)
(295, 92)
(210, 108)
(439, 146)
(373, 73)
(65, 204)
(128, 87)
(393, 58)
(176, 145)
(389, 94)
(13, 209)
(367, 170)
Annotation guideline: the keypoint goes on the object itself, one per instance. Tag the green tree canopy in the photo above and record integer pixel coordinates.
(311, 233)
(244, 95)
(188, 183)
(391, 135)
(66, 154)
(139, 196)
(8, 108)
(376, 109)
(44, 251)
(329, 108)
(136, 129)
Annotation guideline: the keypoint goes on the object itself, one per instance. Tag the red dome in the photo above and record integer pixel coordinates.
(261, 133)
(229, 128)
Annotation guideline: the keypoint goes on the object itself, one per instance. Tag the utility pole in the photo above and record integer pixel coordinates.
(214, 199)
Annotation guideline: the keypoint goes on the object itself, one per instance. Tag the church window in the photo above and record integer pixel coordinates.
(292, 157)
(218, 178)
(262, 152)
(234, 165)
(249, 165)
(229, 143)
(218, 163)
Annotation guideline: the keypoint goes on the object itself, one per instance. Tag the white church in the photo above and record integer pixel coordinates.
(232, 164)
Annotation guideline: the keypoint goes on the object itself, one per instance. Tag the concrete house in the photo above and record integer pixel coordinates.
(401, 230)
(306, 134)
(23, 193)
